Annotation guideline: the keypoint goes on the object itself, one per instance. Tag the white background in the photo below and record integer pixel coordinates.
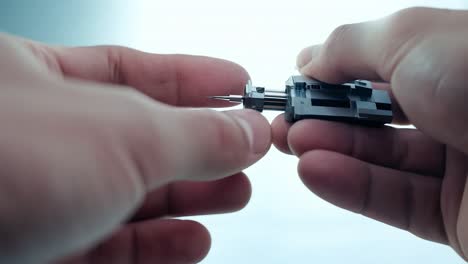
(284, 222)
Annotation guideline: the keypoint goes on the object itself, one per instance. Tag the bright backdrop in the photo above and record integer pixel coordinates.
(284, 222)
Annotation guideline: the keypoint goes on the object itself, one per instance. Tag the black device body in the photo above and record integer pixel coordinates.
(354, 102)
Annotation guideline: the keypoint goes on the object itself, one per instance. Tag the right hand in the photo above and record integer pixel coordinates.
(411, 179)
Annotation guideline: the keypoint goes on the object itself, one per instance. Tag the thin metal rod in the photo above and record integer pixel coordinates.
(230, 98)
(275, 94)
(276, 101)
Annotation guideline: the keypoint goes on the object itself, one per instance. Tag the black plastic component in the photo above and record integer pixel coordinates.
(254, 97)
(354, 102)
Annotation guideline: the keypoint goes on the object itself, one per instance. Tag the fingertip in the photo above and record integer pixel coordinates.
(306, 55)
(295, 139)
(307, 135)
(280, 128)
(243, 189)
(234, 74)
(334, 177)
(312, 169)
(226, 77)
(302, 135)
(303, 57)
(256, 127)
(196, 242)
(160, 240)
(233, 193)
(214, 144)
(322, 173)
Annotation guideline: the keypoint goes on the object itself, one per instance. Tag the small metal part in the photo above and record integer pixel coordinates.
(258, 98)
(305, 98)
(230, 98)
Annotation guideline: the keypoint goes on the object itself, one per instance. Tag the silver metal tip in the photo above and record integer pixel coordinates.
(230, 98)
(226, 98)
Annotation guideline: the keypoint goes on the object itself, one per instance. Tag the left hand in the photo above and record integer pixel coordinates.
(96, 150)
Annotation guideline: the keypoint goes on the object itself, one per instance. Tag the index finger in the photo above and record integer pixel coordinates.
(181, 80)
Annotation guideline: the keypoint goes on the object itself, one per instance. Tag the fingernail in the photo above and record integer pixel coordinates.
(256, 127)
(306, 55)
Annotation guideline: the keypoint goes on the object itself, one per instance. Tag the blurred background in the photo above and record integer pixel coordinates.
(284, 222)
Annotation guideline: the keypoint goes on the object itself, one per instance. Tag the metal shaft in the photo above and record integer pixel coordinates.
(274, 101)
(270, 100)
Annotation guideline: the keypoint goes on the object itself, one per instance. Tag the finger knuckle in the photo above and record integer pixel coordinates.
(132, 110)
(407, 22)
(139, 120)
(135, 125)
(334, 45)
(409, 12)
(341, 34)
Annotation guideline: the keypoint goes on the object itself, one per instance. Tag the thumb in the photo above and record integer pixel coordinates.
(96, 158)
(183, 144)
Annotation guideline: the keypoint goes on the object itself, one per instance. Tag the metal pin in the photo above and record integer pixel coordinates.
(229, 98)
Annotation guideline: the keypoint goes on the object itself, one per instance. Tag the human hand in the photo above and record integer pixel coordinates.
(90, 166)
(411, 179)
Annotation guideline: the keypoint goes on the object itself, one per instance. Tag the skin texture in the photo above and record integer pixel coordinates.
(97, 151)
(414, 179)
